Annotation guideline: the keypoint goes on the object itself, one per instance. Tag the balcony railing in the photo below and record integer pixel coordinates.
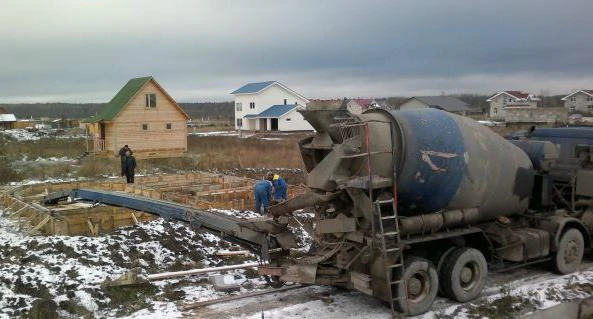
(95, 144)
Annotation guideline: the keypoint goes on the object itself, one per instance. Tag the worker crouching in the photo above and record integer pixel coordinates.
(262, 190)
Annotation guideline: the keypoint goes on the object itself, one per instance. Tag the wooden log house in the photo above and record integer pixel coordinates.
(143, 116)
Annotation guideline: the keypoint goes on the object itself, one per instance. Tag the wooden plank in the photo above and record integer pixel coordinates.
(41, 224)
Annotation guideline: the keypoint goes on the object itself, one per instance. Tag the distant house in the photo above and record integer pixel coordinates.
(357, 106)
(579, 101)
(504, 100)
(7, 120)
(143, 116)
(447, 103)
(269, 106)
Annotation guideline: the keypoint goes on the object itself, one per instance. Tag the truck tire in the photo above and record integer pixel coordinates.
(441, 262)
(569, 254)
(463, 275)
(418, 287)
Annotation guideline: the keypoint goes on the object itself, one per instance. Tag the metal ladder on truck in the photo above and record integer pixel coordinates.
(387, 219)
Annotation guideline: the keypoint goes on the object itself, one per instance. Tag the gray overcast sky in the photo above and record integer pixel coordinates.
(86, 50)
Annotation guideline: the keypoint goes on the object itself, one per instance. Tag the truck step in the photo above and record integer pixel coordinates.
(391, 233)
(388, 217)
(386, 201)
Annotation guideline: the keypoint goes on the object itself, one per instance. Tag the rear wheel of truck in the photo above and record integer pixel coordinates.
(418, 287)
(463, 274)
(569, 254)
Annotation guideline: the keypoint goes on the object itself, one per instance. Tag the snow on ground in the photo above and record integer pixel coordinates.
(43, 161)
(216, 133)
(29, 135)
(68, 270)
(51, 180)
(507, 295)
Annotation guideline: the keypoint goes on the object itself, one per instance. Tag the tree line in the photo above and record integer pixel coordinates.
(219, 110)
(198, 110)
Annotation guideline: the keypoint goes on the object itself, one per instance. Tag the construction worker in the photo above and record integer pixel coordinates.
(262, 190)
(129, 166)
(122, 157)
(280, 188)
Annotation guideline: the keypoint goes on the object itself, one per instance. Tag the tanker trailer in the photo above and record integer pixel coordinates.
(409, 203)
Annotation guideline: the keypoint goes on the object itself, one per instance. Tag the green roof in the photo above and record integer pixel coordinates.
(117, 103)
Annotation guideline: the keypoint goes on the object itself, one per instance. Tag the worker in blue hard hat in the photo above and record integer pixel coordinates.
(280, 188)
(262, 190)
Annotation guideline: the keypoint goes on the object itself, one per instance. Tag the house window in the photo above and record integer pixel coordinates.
(239, 122)
(168, 126)
(251, 105)
(590, 107)
(571, 109)
(285, 100)
(239, 107)
(495, 110)
(573, 99)
(288, 119)
(589, 99)
(145, 127)
(150, 100)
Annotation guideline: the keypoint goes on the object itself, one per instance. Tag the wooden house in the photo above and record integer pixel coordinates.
(143, 116)
(7, 120)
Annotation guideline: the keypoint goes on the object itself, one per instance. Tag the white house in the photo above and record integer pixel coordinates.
(269, 106)
(579, 101)
(504, 100)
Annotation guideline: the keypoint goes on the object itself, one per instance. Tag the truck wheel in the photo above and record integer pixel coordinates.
(464, 274)
(442, 260)
(569, 254)
(418, 287)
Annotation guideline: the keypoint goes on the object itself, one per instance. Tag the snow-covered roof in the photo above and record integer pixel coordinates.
(7, 118)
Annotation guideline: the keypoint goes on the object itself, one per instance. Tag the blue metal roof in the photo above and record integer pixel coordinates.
(253, 87)
(277, 110)
(272, 111)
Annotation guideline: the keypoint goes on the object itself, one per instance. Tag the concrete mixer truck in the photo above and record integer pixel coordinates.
(413, 203)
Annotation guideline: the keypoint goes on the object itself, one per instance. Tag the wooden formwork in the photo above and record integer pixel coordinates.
(65, 219)
(200, 190)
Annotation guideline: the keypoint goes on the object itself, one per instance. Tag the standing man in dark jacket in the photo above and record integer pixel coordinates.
(122, 157)
(129, 166)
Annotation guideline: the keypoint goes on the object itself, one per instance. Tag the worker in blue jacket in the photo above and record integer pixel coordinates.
(262, 190)
(280, 188)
